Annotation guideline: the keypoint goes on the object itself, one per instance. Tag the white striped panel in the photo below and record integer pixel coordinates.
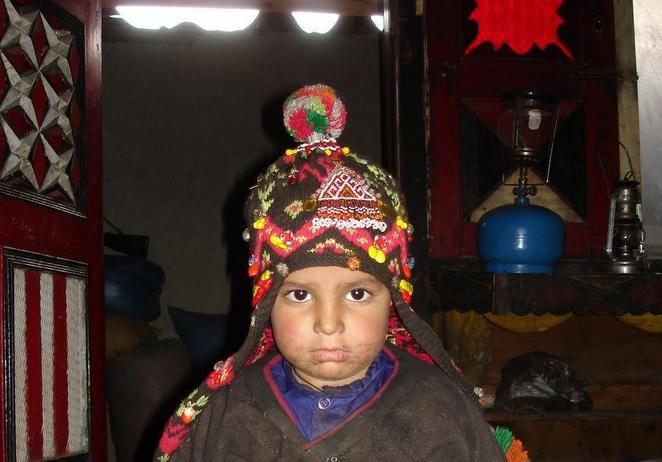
(20, 367)
(77, 366)
(47, 366)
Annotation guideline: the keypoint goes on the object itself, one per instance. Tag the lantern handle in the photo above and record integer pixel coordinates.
(630, 174)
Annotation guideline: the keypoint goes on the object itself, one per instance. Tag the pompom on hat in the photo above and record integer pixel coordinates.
(320, 204)
(314, 113)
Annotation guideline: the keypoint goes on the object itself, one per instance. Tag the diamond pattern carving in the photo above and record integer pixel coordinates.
(19, 154)
(20, 91)
(39, 77)
(19, 31)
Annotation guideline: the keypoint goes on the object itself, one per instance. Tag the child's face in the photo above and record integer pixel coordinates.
(330, 323)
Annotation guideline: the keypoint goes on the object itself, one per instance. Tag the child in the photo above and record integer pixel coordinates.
(336, 366)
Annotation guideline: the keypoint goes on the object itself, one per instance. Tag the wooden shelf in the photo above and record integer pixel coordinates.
(620, 364)
(577, 286)
(501, 416)
(587, 437)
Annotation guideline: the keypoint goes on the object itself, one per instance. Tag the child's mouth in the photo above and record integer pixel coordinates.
(330, 354)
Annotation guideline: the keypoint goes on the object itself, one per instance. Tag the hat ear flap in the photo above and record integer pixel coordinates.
(422, 342)
(259, 339)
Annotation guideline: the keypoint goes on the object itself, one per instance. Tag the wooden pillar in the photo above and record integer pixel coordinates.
(628, 108)
(469, 342)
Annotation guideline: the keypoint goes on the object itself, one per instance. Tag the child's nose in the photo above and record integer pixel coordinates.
(328, 319)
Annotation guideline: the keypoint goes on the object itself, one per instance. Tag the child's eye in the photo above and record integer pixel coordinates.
(357, 295)
(298, 295)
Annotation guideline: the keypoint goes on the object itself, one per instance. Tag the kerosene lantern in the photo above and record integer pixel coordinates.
(522, 237)
(625, 232)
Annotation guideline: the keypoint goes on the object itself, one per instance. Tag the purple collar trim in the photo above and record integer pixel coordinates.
(318, 413)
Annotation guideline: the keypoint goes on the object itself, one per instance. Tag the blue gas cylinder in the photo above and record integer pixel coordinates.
(520, 238)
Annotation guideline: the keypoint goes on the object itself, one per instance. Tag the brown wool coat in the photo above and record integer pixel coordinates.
(421, 416)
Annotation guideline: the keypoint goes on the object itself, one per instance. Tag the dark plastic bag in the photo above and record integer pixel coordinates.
(537, 381)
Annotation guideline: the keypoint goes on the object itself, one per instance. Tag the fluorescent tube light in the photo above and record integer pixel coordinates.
(209, 19)
(319, 23)
(378, 21)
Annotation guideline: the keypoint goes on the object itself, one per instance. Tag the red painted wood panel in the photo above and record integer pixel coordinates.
(60, 397)
(44, 230)
(33, 355)
(588, 32)
(445, 180)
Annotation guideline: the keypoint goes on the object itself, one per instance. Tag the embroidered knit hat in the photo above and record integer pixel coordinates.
(320, 204)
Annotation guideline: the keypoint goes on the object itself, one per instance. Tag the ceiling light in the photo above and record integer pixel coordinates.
(156, 17)
(319, 23)
(378, 21)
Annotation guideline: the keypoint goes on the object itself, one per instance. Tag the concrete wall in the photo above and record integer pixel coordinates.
(188, 125)
(648, 41)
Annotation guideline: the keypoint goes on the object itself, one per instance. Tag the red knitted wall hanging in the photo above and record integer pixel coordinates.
(521, 24)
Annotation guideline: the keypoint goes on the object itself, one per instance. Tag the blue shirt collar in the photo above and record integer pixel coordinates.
(319, 411)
